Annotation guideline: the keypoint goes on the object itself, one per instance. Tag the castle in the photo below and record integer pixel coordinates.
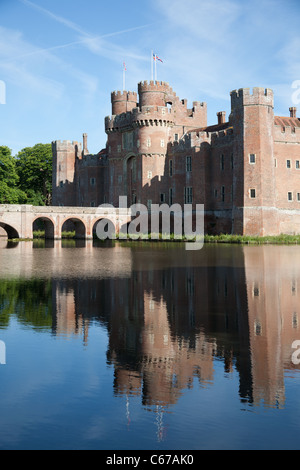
(244, 169)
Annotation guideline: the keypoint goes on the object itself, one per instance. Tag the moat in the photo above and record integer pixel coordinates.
(120, 346)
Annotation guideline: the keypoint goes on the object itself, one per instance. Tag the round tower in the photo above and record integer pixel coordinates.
(123, 102)
(153, 93)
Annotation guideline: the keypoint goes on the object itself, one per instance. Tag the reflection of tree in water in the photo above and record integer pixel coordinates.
(30, 301)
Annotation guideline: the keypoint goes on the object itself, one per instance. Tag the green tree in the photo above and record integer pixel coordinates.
(34, 169)
(9, 179)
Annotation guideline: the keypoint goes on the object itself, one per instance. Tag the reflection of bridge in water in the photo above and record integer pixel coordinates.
(19, 221)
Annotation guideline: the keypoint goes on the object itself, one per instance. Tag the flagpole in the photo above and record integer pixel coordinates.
(152, 55)
(155, 68)
(124, 76)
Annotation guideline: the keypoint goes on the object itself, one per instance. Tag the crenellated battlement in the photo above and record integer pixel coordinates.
(124, 95)
(123, 101)
(147, 116)
(223, 137)
(258, 96)
(155, 86)
(63, 146)
(287, 134)
(91, 161)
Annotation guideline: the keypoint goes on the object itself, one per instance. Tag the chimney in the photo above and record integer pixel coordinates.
(221, 117)
(85, 149)
(293, 112)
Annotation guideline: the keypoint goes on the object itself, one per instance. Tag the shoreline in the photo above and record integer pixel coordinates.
(208, 239)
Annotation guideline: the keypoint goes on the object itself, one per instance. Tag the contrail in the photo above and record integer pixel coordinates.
(60, 19)
(75, 43)
(88, 38)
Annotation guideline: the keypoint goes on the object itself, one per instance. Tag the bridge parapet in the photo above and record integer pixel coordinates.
(18, 220)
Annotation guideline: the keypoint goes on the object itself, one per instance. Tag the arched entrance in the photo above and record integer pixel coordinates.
(11, 231)
(43, 224)
(75, 225)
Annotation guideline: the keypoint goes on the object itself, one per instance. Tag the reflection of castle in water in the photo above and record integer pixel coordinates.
(167, 325)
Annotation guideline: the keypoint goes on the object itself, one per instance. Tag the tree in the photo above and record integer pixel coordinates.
(9, 190)
(34, 169)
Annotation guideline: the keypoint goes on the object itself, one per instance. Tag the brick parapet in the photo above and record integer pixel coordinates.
(259, 96)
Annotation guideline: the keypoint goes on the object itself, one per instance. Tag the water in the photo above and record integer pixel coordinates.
(148, 346)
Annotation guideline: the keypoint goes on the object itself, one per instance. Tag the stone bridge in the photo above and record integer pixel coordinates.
(19, 221)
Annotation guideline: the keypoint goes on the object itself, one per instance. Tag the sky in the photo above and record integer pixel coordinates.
(61, 59)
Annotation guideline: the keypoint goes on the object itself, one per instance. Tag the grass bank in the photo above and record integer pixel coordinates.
(38, 234)
(248, 240)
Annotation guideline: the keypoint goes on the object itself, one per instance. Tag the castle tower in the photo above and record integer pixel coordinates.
(154, 93)
(123, 102)
(252, 116)
(64, 158)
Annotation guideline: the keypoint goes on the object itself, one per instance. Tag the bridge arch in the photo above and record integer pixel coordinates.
(75, 224)
(12, 233)
(46, 224)
(109, 227)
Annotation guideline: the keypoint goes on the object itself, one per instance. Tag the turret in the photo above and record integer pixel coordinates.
(122, 102)
(154, 93)
(252, 117)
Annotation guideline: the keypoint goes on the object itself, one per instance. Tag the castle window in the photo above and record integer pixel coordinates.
(257, 328)
(188, 164)
(170, 196)
(93, 181)
(288, 164)
(295, 320)
(188, 195)
(149, 175)
(222, 162)
(171, 167)
(61, 184)
(223, 193)
(119, 148)
(162, 198)
(127, 140)
(93, 204)
(162, 143)
(253, 193)
(176, 137)
(252, 158)
(297, 165)
(148, 143)
(290, 196)
(298, 197)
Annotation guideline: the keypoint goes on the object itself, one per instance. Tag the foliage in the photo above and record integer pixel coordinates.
(10, 193)
(34, 169)
(26, 178)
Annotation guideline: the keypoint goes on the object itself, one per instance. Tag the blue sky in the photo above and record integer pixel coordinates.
(60, 60)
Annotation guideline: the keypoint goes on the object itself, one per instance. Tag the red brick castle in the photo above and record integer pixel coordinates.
(245, 170)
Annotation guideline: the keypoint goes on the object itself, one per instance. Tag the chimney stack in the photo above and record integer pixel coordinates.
(221, 117)
(85, 149)
(293, 112)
